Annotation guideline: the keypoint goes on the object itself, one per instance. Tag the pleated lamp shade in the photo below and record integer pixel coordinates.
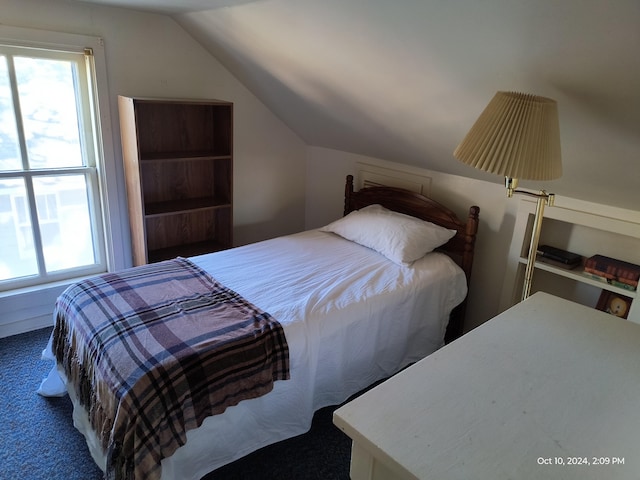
(517, 135)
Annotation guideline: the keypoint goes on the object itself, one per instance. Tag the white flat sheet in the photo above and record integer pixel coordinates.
(351, 317)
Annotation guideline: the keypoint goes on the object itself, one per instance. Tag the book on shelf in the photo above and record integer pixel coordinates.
(608, 281)
(615, 272)
(555, 263)
(558, 257)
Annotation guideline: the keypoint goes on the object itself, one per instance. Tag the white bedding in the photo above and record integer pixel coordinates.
(351, 317)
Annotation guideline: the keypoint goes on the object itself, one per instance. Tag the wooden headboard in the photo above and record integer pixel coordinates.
(460, 248)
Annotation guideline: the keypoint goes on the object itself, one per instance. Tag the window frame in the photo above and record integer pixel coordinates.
(104, 170)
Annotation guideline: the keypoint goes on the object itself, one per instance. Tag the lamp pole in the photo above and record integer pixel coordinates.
(542, 198)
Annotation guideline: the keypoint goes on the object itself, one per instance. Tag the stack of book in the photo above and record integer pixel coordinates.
(558, 257)
(615, 272)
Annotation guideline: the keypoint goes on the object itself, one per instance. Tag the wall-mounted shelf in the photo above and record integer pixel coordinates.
(580, 227)
(578, 274)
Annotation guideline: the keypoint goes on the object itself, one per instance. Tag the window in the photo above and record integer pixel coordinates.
(51, 223)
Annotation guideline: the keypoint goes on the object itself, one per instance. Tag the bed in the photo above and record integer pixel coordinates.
(308, 296)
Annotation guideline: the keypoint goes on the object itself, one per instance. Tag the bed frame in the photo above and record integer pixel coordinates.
(460, 248)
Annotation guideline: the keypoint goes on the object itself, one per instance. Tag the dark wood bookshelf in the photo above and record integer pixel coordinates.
(178, 158)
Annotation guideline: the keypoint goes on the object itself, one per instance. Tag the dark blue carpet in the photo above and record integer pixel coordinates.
(38, 439)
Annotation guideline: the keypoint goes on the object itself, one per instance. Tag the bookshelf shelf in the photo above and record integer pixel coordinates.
(579, 227)
(579, 275)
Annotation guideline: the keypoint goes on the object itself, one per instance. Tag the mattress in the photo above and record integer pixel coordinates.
(351, 318)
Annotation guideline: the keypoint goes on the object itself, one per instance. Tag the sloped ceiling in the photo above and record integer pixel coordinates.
(404, 81)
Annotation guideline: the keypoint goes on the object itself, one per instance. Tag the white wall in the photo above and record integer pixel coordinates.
(326, 172)
(151, 55)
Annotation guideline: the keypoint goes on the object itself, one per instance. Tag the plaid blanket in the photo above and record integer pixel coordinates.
(153, 350)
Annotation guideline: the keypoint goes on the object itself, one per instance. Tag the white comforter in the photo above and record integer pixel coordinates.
(351, 317)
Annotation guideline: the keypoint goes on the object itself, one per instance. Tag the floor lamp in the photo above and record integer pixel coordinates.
(517, 136)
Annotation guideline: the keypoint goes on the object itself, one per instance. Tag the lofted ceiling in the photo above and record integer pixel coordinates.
(403, 81)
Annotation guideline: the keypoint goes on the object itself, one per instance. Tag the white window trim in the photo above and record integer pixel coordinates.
(30, 308)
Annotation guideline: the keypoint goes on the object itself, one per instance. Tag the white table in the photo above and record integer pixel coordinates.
(547, 389)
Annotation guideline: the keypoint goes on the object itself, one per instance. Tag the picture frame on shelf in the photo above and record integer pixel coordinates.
(614, 303)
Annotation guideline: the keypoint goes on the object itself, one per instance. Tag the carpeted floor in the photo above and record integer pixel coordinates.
(38, 440)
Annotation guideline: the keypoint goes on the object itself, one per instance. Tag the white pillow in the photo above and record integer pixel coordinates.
(401, 238)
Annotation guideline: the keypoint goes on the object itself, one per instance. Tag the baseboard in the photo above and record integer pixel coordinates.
(24, 326)
(27, 310)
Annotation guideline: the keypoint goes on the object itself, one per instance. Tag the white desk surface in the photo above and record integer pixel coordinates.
(548, 381)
